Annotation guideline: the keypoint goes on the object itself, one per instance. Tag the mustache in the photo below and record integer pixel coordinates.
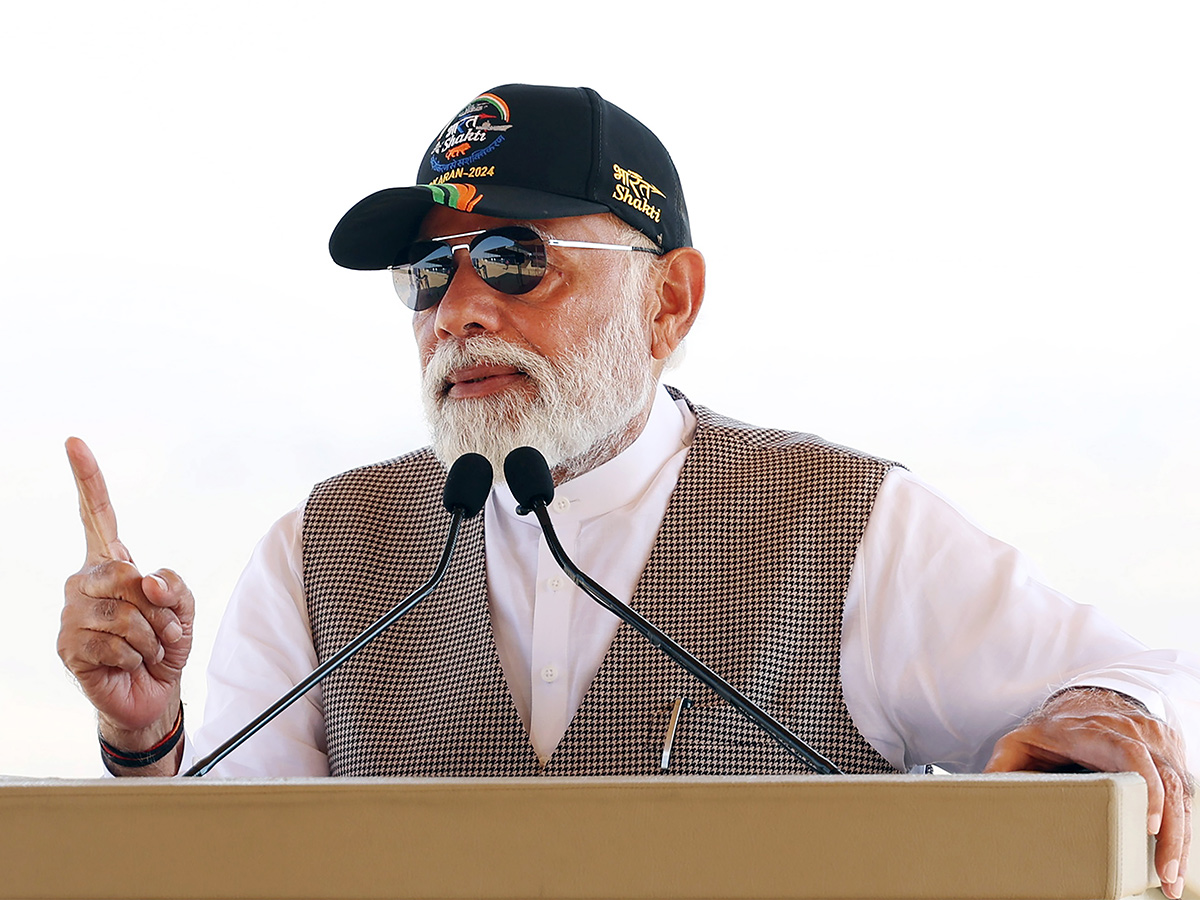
(451, 356)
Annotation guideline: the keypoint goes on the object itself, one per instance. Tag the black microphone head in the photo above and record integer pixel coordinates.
(528, 477)
(468, 484)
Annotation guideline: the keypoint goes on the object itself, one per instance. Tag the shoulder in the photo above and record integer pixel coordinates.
(723, 436)
(381, 482)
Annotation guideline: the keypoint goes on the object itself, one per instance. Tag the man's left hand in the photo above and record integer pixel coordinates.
(1105, 731)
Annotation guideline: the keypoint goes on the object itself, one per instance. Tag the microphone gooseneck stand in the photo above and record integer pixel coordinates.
(467, 489)
(529, 479)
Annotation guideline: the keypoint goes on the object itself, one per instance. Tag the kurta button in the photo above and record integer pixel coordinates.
(555, 583)
(549, 674)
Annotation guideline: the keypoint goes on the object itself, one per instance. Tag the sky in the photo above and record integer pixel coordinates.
(958, 235)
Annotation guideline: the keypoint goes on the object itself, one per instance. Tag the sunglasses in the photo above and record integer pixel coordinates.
(511, 260)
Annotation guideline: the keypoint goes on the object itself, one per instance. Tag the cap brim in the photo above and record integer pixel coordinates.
(374, 230)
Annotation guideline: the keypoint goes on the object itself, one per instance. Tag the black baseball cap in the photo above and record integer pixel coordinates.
(523, 151)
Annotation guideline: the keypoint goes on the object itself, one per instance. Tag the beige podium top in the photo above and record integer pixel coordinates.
(1007, 836)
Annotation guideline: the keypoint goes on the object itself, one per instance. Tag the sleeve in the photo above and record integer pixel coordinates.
(264, 647)
(950, 640)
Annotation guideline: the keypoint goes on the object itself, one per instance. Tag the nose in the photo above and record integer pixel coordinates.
(469, 307)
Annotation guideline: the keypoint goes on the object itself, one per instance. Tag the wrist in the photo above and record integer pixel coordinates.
(142, 754)
(121, 734)
(1086, 697)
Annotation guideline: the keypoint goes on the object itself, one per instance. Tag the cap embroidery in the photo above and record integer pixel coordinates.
(472, 134)
(634, 190)
(456, 196)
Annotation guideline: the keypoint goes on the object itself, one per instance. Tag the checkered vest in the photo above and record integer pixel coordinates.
(749, 571)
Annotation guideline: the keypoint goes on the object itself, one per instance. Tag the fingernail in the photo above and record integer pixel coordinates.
(172, 632)
(161, 582)
(1154, 823)
(1171, 872)
(158, 657)
(1177, 888)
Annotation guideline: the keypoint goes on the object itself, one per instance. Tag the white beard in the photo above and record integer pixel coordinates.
(577, 411)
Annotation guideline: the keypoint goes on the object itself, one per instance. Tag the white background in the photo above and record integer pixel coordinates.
(960, 235)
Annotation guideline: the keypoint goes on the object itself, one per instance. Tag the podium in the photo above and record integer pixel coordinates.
(999, 836)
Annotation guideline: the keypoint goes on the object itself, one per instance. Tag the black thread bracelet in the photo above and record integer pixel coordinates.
(137, 759)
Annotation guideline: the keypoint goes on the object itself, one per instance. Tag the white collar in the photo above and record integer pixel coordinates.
(624, 478)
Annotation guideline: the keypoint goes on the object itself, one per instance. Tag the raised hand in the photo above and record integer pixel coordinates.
(124, 636)
(1107, 732)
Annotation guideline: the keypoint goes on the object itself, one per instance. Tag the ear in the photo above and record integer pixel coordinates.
(678, 297)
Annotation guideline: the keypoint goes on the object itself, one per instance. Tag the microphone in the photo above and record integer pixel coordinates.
(529, 479)
(466, 491)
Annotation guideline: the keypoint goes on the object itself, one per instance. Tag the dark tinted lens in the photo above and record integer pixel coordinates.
(422, 279)
(512, 259)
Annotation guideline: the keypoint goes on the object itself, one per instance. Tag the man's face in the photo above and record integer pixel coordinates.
(565, 367)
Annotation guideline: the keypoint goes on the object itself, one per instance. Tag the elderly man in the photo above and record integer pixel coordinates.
(547, 256)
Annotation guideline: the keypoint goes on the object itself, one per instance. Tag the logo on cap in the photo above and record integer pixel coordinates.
(456, 196)
(633, 189)
(476, 131)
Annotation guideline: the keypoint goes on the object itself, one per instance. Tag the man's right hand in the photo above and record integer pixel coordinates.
(124, 636)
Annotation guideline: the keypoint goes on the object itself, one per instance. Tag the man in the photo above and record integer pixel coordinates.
(547, 256)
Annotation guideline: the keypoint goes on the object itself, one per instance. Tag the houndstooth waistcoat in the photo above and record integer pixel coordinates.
(749, 571)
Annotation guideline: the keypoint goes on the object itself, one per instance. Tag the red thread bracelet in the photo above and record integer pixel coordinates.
(137, 759)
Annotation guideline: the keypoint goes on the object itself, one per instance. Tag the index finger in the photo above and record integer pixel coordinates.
(95, 511)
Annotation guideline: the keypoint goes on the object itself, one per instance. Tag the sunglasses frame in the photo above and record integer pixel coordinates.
(418, 306)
